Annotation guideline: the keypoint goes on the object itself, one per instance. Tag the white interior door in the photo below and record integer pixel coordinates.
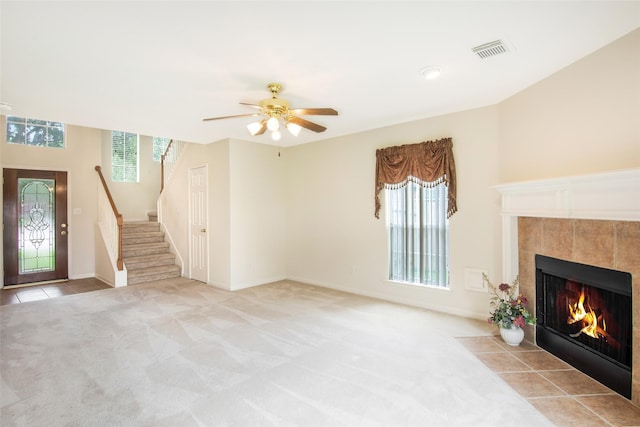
(198, 241)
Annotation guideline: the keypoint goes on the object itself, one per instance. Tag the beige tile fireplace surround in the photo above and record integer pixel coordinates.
(591, 220)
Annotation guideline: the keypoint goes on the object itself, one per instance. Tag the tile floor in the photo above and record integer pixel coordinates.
(49, 290)
(566, 396)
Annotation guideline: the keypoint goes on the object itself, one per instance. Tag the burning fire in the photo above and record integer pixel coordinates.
(592, 324)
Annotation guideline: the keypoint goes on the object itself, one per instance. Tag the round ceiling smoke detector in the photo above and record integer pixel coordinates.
(431, 72)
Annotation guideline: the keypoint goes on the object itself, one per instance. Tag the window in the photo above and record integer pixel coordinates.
(124, 157)
(418, 234)
(159, 147)
(41, 133)
(420, 187)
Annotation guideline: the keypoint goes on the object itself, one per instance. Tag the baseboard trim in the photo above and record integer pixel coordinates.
(385, 297)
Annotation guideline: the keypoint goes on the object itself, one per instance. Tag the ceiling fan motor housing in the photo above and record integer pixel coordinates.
(275, 106)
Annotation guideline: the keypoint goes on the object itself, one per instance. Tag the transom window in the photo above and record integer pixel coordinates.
(41, 133)
(124, 156)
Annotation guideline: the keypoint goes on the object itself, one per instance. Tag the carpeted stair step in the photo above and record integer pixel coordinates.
(145, 253)
(129, 238)
(129, 251)
(155, 260)
(149, 274)
(140, 227)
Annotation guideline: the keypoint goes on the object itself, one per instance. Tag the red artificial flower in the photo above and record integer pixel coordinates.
(519, 321)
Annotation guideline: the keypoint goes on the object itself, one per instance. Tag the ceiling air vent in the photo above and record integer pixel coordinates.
(490, 49)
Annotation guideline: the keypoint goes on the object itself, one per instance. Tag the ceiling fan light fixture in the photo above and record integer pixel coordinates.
(273, 124)
(276, 135)
(254, 128)
(294, 129)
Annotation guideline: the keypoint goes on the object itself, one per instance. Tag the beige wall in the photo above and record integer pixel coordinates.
(78, 159)
(583, 119)
(257, 214)
(334, 240)
(246, 211)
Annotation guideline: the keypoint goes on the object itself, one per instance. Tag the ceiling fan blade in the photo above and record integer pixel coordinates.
(263, 128)
(231, 117)
(307, 124)
(251, 105)
(315, 111)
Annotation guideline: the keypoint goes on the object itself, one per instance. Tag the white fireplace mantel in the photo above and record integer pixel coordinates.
(604, 196)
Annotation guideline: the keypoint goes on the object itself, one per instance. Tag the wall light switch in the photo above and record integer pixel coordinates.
(77, 211)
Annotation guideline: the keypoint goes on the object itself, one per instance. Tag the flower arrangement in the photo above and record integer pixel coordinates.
(509, 307)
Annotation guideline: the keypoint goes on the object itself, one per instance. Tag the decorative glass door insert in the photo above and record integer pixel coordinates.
(36, 234)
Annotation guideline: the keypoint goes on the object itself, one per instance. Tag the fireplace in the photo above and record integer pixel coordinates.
(589, 219)
(584, 317)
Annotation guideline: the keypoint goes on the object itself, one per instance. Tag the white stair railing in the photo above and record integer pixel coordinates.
(169, 160)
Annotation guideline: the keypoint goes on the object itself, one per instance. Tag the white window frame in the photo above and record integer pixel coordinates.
(124, 175)
(421, 226)
(164, 142)
(30, 125)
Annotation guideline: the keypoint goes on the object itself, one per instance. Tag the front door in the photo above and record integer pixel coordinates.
(35, 226)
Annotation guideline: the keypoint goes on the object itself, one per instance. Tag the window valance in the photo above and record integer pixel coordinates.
(427, 163)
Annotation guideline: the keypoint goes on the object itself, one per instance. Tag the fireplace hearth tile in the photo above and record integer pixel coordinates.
(531, 384)
(524, 346)
(575, 382)
(613, 408)
(549, 391)
(502, 362)
(541, 360)
(566, 411)
(480, 344)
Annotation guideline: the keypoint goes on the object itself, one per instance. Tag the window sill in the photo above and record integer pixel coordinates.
(419, 285)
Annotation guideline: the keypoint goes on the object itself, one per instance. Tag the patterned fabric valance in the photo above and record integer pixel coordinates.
(428, 163)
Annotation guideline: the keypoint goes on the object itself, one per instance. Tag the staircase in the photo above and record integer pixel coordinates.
(145, 253)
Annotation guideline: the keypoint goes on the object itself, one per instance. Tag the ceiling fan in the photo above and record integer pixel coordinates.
(275, 111)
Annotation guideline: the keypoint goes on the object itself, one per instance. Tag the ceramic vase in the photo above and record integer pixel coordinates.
(512, 335)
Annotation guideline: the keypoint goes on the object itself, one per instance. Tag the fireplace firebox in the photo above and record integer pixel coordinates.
(584, 317)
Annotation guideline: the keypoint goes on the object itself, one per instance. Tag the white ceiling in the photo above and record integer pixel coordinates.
(159, 68)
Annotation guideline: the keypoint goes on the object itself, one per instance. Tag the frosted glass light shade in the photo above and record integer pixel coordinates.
(276, 135)
(273, 124)
(254, 127)
(294, 129)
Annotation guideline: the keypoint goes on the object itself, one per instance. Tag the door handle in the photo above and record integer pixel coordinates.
(63, 232)
(203, 230)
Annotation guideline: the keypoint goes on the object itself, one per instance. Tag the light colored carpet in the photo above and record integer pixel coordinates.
(180, 353)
